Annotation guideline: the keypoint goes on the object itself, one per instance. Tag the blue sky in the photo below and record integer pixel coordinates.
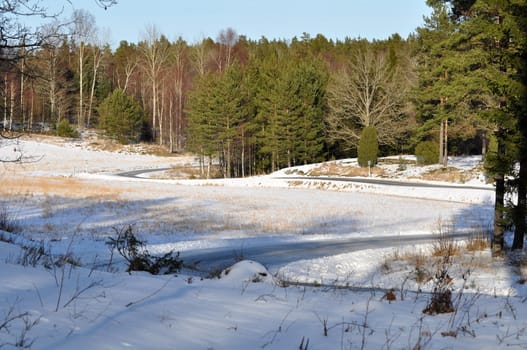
(275, 19)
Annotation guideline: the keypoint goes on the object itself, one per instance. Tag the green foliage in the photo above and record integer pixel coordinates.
(121, 117)
(64, 129)
(427, 152)
(290, 105)
(216, 115)
(368, 147)
(501, 154)
(273, 110)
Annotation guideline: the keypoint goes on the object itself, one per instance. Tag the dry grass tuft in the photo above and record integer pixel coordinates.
(478, 243)
(445, 245)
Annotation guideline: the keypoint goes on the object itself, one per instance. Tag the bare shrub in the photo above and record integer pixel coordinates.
(23, 322)
(33, 256)
(441, 299)
(134, 252)
(8, 220)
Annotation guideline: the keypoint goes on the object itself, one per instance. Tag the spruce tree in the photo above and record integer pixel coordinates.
(121, 117)
(368, 147)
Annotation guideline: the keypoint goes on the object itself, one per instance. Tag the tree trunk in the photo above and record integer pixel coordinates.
(4, 126)
(443, 143)
(80, 121)
(12, 104)
(520, 210)
(171, 126)
(499, 211)
(499, 208)
(22, 87)
(97, 58)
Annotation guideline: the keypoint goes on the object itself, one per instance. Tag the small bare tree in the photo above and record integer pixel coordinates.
(227, 39)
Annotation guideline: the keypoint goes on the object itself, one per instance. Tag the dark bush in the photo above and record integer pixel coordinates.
(134, 252)
(427, 152)
(64, 129)
(368, 147)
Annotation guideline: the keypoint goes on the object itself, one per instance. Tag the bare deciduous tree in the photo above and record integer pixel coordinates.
(367, 92)
(176, 120)
(227, 39)
(84, 26)
(155, 53)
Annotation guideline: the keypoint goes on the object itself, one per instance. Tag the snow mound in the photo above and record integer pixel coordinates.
(246, 271)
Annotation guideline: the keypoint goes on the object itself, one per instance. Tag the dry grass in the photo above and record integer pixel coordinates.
(334, 169)
(478, 243)
(445, 245)
(447, 174)
(190, 172)
(62, 186)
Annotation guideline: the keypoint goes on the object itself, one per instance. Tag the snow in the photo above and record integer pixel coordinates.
(69, 201)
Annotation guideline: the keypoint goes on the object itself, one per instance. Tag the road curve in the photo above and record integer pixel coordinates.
(377, 181)
(278, 255)
(136, 174)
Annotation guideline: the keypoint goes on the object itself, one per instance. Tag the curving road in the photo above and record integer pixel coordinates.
(135, 174)
(276, 255)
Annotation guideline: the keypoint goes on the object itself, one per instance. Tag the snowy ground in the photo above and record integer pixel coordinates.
(69, 201)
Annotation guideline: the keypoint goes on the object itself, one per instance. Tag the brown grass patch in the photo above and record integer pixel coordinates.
(190, 172)
(63, 186)
(447, 174)
(334, 169)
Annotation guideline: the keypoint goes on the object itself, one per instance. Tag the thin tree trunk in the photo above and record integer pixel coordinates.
(243, 153)
(161, 115)
(4, 126)
(32, 107)
(80, 122)
(22, 109)
(521, 208)
(154, 109)
(97, 58)
(445, 144)
(171, 125)
(12, 106)
(499, 209)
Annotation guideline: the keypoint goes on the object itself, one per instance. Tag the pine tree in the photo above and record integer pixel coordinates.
(485, 81)
(121, 117)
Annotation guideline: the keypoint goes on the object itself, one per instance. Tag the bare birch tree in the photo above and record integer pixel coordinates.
(98, 50)
(155, 53)
(176, 118)
(227, 39)
(84, 25)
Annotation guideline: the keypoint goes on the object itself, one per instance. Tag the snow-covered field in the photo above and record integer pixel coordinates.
(67, 199)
